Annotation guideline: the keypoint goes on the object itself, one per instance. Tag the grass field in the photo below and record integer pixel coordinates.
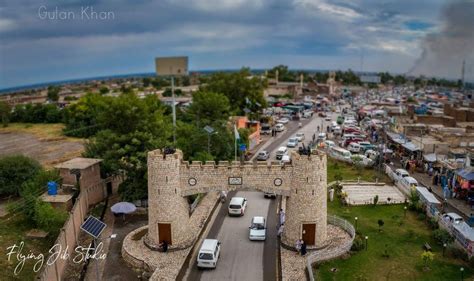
(43, 142)
(42, 131)
(402, 237)
(12, 231)
(349, 172)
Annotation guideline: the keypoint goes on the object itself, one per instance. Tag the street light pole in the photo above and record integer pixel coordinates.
(356, 219)
(462, 273)
(366, 242)
(405, 211)
(173, 100)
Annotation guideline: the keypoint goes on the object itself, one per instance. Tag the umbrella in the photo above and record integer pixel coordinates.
(123, 208)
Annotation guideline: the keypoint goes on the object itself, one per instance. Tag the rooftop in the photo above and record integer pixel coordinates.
(78, 163)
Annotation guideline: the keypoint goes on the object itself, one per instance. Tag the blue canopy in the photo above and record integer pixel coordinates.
(467, 174)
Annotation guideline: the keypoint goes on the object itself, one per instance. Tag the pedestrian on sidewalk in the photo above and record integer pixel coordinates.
(282, 216)
(303, 248)
(299, 242)
(280, 230)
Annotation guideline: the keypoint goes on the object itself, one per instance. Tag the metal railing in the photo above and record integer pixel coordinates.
(330, 252)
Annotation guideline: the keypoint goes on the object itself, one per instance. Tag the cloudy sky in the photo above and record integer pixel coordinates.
(391, 35)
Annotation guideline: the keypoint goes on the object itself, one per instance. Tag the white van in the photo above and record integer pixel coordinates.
(281, 151)
(237, 206)
(209, 253)
(285, 160)
(409, 182)
(354, 147)
(257, 229)
(340, 153)
(401, 173)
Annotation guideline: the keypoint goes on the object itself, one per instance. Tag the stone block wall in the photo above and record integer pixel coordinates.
(170, 179)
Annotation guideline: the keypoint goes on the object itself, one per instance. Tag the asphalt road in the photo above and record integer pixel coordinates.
(242, 259)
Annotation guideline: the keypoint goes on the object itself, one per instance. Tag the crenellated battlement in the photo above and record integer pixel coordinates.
(171, 179)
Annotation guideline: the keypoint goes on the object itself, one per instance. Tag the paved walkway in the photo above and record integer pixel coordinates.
(166, 266)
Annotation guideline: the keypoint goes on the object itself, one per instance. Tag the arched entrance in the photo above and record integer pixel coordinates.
(170, 179)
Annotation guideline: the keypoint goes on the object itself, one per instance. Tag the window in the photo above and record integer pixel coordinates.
(257, 226)
(205, 256)
(234, 206)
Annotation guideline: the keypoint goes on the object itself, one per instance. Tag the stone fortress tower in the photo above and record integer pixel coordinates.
(306, 207)
(168, 211)
(170, 179)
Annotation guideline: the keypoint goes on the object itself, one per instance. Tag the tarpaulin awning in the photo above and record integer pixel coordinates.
(466, 174)
(430, 157)
(410, 146)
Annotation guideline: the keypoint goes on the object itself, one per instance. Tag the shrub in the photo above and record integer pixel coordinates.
(48, 218)
(421, 217)
(376, 200)
(433, 223)
(442, 236)
(358, 244)
(14, 171)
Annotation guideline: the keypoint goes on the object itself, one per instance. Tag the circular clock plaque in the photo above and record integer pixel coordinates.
(277, 182)
(192, 181)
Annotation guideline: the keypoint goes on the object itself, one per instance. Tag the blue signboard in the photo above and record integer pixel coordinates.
(242, 147)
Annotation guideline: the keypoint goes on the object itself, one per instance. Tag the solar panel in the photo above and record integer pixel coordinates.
(93, 226)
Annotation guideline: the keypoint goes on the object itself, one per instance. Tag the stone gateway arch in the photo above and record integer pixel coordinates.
(170, 180)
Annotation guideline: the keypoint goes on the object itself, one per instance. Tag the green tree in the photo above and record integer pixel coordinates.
(208, 107)
(104, 90)
(239, 89)
(48, 218)
(14, 171)
(81, 117)
(5, 113)
(53, 93)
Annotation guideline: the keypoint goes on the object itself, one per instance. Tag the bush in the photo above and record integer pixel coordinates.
(433, 223)
(421, 217)
(442, 236)
(14, 171)
(358, 244)
(48, 218)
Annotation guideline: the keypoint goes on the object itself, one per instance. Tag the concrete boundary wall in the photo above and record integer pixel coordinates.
(69, 234)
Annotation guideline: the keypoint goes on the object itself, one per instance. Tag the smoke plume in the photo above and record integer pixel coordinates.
(445, 50)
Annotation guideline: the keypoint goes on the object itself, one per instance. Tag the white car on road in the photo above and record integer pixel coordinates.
(283, 120)
(257, 229)
(279, 127)
(299, 137)
(292, 142)
(209, 253)
(237, 206)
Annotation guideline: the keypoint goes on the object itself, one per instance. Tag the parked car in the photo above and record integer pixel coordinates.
(365, 145)
(354, 147)
(257, 229)
(452, 218)
(328, 144)
(349, 141)
(322, 136)
(283, 120)
(285, 159)
(292, 142)
(299, 137)
(337, 130)
(209, 253)
(237, 206)
(322, 114)
(263, 155)
(328, 118)
(266, 129)
(401, 173)
(307, 113)
(279, 127)
(269, 194)
(280, 152)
